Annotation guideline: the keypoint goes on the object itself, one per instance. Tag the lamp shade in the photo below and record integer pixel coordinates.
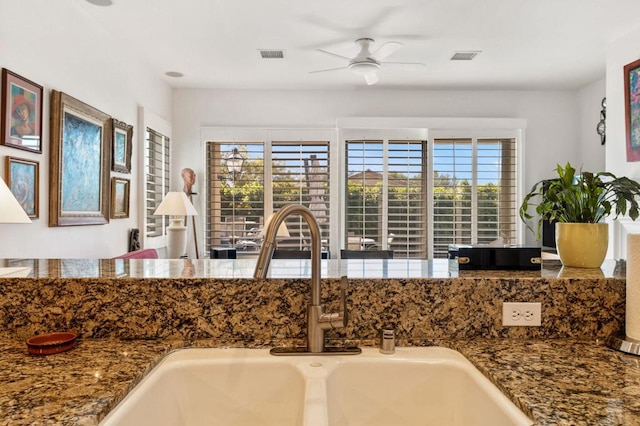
(283, 231)
(10, 209)
(176, 204)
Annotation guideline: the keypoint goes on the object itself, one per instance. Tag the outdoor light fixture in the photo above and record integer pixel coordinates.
(235, 161)
(176, 205)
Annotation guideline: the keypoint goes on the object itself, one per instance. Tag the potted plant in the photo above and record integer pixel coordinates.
(579, 204)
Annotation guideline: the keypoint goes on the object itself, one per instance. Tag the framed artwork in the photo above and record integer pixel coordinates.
(121, 147)
(632, 109)
(23, 179)
(119, 198)
(79, 190)
(21, 123)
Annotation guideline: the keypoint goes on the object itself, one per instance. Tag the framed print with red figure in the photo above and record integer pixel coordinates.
(21, 121)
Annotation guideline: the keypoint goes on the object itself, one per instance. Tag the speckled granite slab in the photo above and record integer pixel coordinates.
(559, 382)
(292, 268)
(563, 381)
(555, 382)
(135, 308)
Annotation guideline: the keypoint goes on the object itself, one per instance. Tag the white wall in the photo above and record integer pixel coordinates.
(101, 75)
(552, 135)
(591, 150)
(620, 53)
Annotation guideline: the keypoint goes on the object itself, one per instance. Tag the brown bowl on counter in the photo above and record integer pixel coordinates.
(52, 343)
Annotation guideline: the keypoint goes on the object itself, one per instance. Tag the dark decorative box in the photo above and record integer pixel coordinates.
(505, 258)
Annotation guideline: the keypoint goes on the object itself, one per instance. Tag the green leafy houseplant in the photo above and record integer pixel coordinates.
(585, 198)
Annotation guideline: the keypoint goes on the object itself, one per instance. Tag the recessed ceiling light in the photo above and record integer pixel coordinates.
(174, 74)
(100, 2)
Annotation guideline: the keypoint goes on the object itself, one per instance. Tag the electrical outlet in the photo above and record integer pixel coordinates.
(521, 314)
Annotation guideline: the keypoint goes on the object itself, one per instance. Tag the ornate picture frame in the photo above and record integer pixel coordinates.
(121, 147)
(21, 121)
(120, 188)
(79, 189)
(632, 109)
(23, 179)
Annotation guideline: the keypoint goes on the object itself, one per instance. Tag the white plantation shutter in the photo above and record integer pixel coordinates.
(156, 168)
(364, 208)
(386, 196)
(300, 175)
(496, 190)
(396, 197)
(407, 199)
(474, 187)
(235, 200)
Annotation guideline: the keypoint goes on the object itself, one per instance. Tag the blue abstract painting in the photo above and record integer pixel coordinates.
(23, 185)
(81, 153)
(120, 148)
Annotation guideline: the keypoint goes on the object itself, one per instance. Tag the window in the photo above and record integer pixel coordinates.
(156, 168)
(300, 175)
(474, 192)
(235, 195)
(473, 187)
(411, 190)
(407, 205)
(386, 196)
(238, 201)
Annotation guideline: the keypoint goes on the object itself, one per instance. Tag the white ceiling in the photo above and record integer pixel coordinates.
(525, 44)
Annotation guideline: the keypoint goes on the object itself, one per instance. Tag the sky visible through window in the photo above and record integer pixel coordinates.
(461, 161)
(488, 170)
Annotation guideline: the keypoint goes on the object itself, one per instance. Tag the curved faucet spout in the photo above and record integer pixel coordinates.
(268, 245)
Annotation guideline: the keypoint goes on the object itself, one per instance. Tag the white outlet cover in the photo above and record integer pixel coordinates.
(521, 314)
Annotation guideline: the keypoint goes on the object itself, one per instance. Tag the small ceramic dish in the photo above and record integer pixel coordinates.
(51, 343)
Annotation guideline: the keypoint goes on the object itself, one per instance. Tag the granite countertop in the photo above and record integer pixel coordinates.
(555, 382)
(292, 268)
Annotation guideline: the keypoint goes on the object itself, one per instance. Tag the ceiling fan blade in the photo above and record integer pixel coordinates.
(371, 78)
(409, 66)
(330, 69)
(386, 50)
(333, 54)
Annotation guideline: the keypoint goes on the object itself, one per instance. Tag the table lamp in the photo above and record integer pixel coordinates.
(176, 205)
(283, 231)
(11, 212)
(10, 209)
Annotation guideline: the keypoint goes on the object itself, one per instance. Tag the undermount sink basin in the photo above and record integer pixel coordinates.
(234, 387)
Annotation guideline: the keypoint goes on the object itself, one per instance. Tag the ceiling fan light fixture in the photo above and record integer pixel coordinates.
(371, 78)
(363, 68)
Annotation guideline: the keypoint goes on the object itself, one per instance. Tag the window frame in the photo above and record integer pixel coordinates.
(267, 137)
(426, 128)
(153, 121)
(479, 135)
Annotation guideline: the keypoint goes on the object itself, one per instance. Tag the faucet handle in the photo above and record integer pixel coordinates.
(335, 319)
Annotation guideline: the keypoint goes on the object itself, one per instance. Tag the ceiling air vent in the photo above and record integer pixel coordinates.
(271, 54)
(464, 56)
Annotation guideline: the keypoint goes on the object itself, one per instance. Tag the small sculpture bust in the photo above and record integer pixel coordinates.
(189, 178)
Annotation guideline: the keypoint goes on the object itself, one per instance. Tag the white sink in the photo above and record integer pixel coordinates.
(416, 386)
(234, 387)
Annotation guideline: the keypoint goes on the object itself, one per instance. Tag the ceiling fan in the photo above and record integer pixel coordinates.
(367, 64)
